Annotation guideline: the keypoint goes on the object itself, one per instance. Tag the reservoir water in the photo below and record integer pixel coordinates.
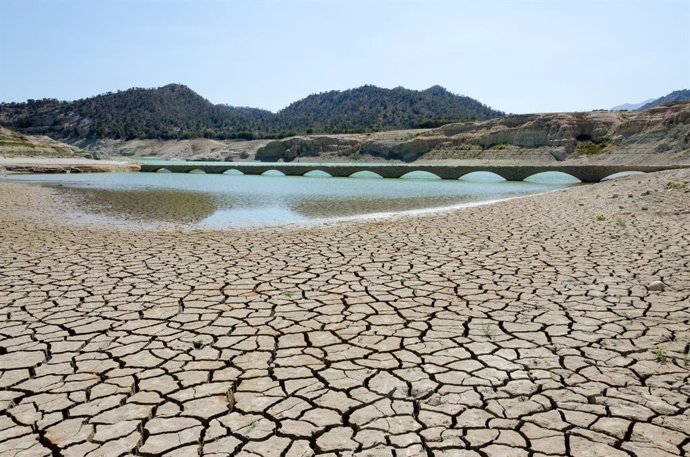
(220, 201)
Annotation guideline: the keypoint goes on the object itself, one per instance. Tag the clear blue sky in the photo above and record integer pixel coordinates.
(515, 55)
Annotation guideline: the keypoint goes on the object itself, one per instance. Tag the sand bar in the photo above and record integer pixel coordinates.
(521, 328)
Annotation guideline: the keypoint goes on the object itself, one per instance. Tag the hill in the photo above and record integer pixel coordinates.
(676, 96)
(176, 112)
(374, 108)
(172, 111)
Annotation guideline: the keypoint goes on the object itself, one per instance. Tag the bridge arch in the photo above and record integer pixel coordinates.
(552, 177)
(273, 172)
(196, 171)
(622, 174)
(163, 170)
(482, 176)
(420, 174)
(365, 174)
(317, 174)
(233, 172)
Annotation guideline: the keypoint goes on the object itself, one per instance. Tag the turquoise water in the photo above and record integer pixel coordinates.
(219, 201)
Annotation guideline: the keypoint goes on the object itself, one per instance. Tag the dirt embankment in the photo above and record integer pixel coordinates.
(20, 153)
(192, 149)
(15, 144)
(63, 165)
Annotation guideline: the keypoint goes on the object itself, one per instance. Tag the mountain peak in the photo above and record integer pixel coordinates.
(675, 96)
(175, 87)
(436, 89)
(631, 106)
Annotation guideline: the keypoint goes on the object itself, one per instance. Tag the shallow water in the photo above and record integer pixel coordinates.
(218, 201)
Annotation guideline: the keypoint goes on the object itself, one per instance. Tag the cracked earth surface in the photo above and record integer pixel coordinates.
(520, 329)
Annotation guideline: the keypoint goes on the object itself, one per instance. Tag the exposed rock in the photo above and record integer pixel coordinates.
(656, 286)
(559, 155)
(307, 146)
(192, 149)
(661, 134)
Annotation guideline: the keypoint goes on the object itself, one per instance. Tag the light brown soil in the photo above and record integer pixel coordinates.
(16, 144)
(522, 328)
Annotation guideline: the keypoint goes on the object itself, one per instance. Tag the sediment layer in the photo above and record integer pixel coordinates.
(16, 144)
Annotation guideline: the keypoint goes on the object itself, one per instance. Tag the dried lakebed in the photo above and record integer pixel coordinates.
(522, 328)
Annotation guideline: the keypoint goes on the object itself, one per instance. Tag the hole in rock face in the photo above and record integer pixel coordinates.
(3, 350)
(583, 137)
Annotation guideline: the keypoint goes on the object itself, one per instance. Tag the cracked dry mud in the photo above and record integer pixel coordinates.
(523, 328)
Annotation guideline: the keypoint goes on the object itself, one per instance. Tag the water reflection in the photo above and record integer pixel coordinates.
(148, 206)
(364, 174)
(322, 208)
(482, 176)
(317, 174)
(420, 175)
(241, 201)
(547, 177)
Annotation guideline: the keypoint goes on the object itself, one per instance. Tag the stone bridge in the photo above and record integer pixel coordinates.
(585, 173)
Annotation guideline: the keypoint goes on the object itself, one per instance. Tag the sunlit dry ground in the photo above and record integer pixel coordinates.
(523, 328)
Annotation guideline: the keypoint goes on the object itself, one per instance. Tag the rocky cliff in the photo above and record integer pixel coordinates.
(661, 134)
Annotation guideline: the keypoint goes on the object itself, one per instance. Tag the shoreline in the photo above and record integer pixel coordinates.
(26, 165)
(414, 213)
(86, 218)
(521, 326)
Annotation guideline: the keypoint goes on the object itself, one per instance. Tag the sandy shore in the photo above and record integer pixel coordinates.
(521, 328)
